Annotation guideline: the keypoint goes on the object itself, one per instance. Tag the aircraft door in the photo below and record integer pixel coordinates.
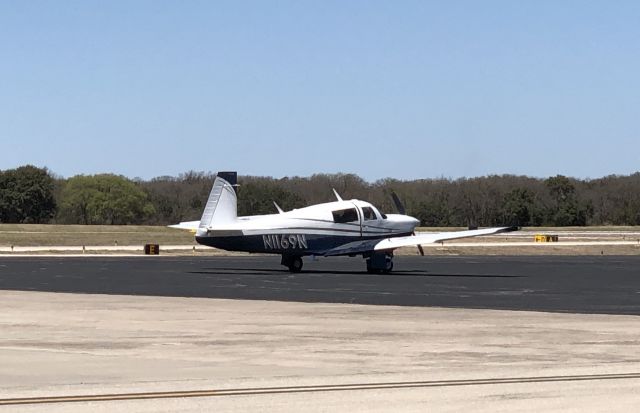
(351, 217)
(360, 218)
(369, 219)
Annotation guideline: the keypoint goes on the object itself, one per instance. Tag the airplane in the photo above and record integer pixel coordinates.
(339, 228)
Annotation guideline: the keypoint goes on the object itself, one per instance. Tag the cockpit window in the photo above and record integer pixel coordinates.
(368, 213)
(345, 215)
(383, 216)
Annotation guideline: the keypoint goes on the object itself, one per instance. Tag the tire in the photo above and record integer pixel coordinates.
(375, 270)
(370, 269)
(295, 265)
(389, 267)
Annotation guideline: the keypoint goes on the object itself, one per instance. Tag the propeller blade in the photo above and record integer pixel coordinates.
(418, 245)
(398, 203)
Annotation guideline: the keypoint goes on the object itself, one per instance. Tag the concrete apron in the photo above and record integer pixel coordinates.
(69, 344)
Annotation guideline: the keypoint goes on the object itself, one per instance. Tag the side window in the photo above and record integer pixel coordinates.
(345, 215)
(369, 215)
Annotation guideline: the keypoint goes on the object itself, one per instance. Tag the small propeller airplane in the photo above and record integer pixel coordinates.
(344, 227)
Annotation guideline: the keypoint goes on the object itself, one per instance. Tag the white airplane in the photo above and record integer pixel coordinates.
(342, 227)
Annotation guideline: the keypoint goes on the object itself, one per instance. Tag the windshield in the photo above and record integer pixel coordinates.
(380, 214)
(368, 214)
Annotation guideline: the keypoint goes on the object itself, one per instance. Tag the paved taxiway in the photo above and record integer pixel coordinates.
(595, 284)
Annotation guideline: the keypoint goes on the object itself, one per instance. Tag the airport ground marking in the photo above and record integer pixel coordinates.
(312, 388)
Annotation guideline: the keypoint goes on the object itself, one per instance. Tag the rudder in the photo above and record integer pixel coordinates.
(222, 205)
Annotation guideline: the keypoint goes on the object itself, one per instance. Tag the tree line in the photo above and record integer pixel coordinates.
(29, 194)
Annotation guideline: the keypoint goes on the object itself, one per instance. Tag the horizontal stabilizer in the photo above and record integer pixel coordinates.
(187, 225)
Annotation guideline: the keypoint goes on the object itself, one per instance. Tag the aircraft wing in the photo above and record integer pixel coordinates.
(188, 225)
(433, 237)
(358, 247)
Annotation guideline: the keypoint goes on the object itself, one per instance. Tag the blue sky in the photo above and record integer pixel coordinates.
(404, 89)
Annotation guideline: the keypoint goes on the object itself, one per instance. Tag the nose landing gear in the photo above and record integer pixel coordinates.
(380, 263)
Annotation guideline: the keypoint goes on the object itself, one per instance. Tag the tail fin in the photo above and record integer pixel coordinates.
(222, 206)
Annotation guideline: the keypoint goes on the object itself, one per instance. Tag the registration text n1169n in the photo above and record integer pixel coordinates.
(344, 227)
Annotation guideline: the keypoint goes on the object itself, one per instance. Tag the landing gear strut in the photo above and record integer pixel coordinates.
(380, 263)
(294, 263)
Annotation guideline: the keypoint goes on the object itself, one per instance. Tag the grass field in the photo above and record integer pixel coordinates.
(77, 235)
(127, 235)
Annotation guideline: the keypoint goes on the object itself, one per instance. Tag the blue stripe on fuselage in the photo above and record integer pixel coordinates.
(283, 243)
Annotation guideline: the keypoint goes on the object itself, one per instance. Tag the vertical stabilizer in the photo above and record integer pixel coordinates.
(222, 206)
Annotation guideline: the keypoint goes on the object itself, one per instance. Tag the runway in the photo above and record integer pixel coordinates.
(598, 284)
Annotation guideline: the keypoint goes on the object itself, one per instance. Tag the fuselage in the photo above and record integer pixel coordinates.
(313, 230)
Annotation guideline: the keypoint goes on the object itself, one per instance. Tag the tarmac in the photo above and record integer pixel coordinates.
(239, 334)
(596, 284)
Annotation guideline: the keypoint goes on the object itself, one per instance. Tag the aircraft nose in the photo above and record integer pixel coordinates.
(411, 221)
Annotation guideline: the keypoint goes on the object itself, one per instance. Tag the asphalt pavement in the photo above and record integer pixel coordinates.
(593, 284)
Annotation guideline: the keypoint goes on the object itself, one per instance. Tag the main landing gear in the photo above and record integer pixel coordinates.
(377, 262)
(293, 262)
(380, 263)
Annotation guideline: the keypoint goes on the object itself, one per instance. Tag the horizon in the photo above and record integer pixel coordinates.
(212, 173)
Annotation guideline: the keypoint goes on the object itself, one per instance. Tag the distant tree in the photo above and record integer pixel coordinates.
(518, 207)
(434, 212)
(178, 199)
(256, 198)
(484, 201)
(30, 194)
(26, 195)
(615, 199)
(103, 199)
(566, 209)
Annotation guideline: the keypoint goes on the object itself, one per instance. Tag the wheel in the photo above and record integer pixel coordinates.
(380, 264)
(388, 266)
(295, 265)
(372, 270)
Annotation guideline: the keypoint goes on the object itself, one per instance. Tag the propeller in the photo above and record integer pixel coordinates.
(398, 203)
(401, 209)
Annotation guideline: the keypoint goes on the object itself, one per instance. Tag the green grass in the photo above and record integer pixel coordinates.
(71, 235)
